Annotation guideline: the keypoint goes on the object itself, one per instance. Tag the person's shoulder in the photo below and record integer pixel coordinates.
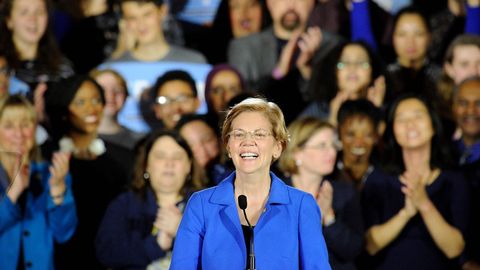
(379, 177)
(454, 176)
(178, 53)
(295, 194)
(254, 39)
(127, 197)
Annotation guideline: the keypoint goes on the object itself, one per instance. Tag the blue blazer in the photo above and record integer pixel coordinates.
(40, 225)
(288, 235)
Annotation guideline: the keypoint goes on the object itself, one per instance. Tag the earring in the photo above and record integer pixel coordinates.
(298, 162)
(146, 176)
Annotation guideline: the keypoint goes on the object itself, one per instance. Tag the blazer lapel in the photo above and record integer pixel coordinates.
(278, 196)
(224, 196)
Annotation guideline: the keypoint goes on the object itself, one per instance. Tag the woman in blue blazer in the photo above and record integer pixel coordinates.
(287, 233)
(36, 208)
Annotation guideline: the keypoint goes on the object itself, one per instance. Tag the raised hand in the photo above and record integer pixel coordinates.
(376, 93)
(414, 188)
(335, 104)
(283, 64)
(39, 101)
(324, 200)
(20, 182)
(308, 43)
(168, 220)
(58, 172)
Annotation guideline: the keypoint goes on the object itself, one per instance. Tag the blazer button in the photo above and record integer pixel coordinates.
(26, 233)
(28, 264)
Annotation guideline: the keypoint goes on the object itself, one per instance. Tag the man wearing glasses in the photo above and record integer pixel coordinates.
(174, 94)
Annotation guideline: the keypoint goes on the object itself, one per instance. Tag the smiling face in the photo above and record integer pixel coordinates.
(225, 85)
(143, 20)
(86, 108)
(410, 39)
(354, 72)
(168, 165)
(412, 124)
(358, 137)
(318, 154)
(28, 21)
(250, 155)
(466, 108)
(465, 63)
(179, 100)
(17, 130)
(245, 17)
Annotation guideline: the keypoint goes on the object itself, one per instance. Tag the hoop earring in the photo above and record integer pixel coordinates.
(146, 176)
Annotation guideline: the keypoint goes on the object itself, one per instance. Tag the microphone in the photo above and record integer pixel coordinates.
(242, 203)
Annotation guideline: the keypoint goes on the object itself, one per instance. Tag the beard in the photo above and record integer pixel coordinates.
(290, 21)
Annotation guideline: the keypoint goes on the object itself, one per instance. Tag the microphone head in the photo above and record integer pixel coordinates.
(242, 202)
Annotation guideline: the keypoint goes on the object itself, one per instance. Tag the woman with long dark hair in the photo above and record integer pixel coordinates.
(162, 183)
(416, 208)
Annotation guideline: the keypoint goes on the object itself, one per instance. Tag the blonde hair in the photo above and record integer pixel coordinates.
(300, 132)
(269, 109)
(22, 103)
(95, 73)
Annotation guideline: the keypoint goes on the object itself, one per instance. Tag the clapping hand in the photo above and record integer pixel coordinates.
(376, 93)
(167, 222)
(414, 188)
(308, 42)
(20, 182)
(58, 172)
(324, 200)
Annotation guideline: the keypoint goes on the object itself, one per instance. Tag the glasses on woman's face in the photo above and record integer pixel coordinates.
(324, 146)
(354, 64)
(258, 134)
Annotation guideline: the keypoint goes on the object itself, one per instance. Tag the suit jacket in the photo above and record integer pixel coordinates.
(288, 234)
(34, 227)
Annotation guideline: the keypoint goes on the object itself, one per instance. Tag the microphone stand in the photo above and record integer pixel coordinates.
(242, 203)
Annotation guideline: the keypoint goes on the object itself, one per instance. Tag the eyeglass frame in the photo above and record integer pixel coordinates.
(336, 145)
(168, 101)
(253, 134)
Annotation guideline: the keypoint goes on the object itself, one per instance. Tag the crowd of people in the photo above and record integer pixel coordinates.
(353, 127)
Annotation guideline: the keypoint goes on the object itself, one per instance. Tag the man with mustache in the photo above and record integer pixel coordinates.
(280, 57)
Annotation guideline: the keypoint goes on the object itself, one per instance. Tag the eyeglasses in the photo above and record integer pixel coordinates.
(258, 134)
(167, 101)
(356, 64)
(336, 145)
